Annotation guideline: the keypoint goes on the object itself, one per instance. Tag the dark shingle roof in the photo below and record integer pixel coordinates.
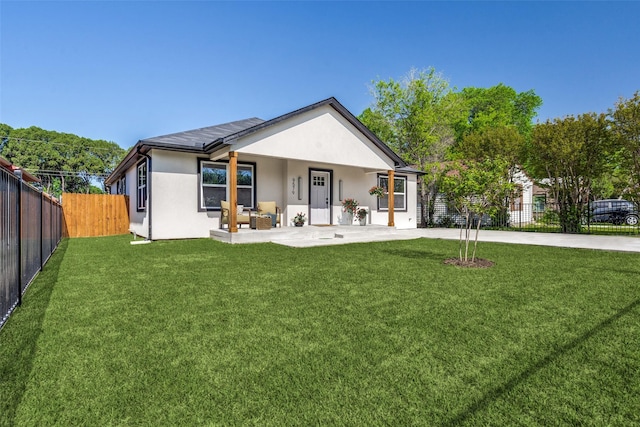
(197, 138)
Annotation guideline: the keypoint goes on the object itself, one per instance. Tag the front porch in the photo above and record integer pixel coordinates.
(311, 235)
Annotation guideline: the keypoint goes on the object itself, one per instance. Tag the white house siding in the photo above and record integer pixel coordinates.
(523, 215)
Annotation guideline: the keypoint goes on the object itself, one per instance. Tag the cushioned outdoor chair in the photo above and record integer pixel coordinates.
(243, 215)
(270, 208)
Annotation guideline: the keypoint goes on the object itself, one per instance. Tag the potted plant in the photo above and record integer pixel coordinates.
(361, 214)
(377, 191)
(299, 219)
(349, 206)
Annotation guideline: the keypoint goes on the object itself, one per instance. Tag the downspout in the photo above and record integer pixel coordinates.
(148, 190)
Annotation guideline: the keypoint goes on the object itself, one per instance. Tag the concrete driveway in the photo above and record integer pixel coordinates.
(583, 241)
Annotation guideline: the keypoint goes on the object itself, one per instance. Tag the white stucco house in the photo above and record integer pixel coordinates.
(306, 161)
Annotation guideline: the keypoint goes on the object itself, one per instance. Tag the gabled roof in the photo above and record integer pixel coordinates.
(208, 139)
(229, 139)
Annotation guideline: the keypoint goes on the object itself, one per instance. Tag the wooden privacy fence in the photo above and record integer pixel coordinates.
(90, 215)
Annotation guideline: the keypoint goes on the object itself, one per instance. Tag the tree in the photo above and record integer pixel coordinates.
(570, 153)
(64, 162)
(475, 189)
(498, 106)
(500, 142)
(626, 133)
(416, 117)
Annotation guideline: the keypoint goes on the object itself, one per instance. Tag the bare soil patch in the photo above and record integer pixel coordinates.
(477, 263)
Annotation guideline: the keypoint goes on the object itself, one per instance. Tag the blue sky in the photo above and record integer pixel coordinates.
(123, 71)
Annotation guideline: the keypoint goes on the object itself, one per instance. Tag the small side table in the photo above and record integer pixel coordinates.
(260, 222)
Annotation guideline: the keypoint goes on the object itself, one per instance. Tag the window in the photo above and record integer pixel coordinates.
(213, 184)
(121, 185)
(539, 202)
(399, 193)
(141, 194)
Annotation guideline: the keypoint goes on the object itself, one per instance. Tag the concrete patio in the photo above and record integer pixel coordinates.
(311, 235)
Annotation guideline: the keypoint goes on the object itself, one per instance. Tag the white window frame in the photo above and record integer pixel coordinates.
(141, 186)
(395, 193)
(225, 165)
(121, 185)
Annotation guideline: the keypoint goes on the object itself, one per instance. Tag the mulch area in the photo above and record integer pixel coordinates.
(477, 263)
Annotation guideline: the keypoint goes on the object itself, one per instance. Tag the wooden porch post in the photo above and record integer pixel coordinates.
(233, 192)
(390, 188)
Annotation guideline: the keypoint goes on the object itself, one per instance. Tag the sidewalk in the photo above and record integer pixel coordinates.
(583, 241)
(308, 236)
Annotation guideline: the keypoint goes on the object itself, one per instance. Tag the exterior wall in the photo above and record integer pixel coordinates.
(322, 136)
(355, 184)
(175, 187)
(138, 221)
(175, 190)
(524, 215)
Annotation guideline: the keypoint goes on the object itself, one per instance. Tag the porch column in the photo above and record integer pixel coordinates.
(390, 187)
(233, 192)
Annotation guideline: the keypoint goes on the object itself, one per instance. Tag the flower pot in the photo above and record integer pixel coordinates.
(299, 224)
(348, 218)
(363, 221)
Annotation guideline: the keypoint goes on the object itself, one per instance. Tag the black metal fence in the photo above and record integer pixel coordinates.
(30, 230)
(601, 217)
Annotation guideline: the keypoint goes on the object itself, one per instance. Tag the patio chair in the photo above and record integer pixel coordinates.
(270, 208)
(243, 215)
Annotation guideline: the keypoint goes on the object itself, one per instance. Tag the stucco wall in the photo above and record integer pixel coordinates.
(355, 184)
(175, 197)
(137, 220)
(322, 135)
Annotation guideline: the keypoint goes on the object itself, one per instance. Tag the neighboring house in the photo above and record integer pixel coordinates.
(26, 176)
(521, 208)
(306, 161)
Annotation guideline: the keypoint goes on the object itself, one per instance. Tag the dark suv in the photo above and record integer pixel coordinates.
(614, 211)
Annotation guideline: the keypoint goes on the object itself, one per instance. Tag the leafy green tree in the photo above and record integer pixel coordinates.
(626, 132)
(496, 107)
(416, 117)
(500, 142)
(475, 189)
(64, 162)
(570, 153)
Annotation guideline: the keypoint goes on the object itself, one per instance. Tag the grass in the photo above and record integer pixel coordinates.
(605, 229)
(199, 332)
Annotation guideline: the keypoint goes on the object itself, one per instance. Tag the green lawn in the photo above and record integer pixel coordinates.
(597, 228)
(202, 333)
